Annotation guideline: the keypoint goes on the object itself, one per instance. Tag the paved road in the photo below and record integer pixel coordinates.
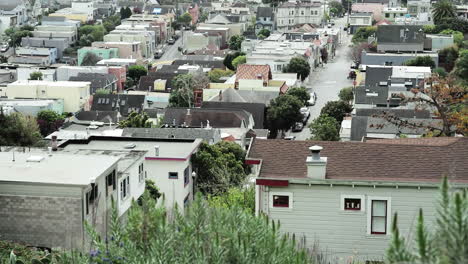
(328, 81)
(171, 52)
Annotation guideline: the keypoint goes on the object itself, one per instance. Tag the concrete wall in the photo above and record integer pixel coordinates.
(318, 217)
(23, 74)
(59, 44)
(103, 53)
(383, 47)
(395, 59)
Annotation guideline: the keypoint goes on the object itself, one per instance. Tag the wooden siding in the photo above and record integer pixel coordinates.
(316, 215)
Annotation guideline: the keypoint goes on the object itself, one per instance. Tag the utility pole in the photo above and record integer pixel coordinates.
(349, 11)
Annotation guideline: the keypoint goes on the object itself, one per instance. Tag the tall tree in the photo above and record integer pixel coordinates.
(337, 110)
(336, 8)
(185, 19)
(461, 65)
(135, 119)
(283, 113)
(90, 59)
(299, 66)
(136, 71)
(325, 128)
(49, 121)
(230, 57)
(182, 91)
(35, 75)
(235, 42)
(447, 58)
(238, 61)
(17, 129)
(362, 34)
(443, 9)
(426, 61)
(300, 93)
(346, 94)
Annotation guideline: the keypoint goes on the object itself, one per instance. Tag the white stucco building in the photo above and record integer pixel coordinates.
(293, 13)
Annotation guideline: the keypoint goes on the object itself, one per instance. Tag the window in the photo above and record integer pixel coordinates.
(378, 220)
(91, 196)
(173, 175)
(141, 173)
(302, 12)
(186, 176)
(281, 200)
(279, 67)
(387, 15)
(352, 203)
(125, 188)
(186, 200)
(316, 12)
(110, 180)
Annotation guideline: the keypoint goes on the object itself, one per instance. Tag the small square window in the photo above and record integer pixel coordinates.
(280, 200)
(173, 175)
(352, 204)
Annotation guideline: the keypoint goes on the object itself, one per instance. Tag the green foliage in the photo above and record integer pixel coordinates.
(238, 61)
(299, 66)
(16, 34)
(346, 94)
(336, 8)
(397, 251)
(447, 58)
(447, 239)
(17, 129)
(443, 9)
(49, 121)
(102, 91)
(230, 57)
(283, 113)
(185, 19)
(363, 33)
(235, 197)
(35, 76)
(461, 65)
(235, 42)
(457, 36)
(453, 23)
(325, 128)
(90, 59)
(152, 190)
(135, 119)
(430, 29)
(300, 93)
(421, 61)
(111, 22)
(273, 3)
(219, 167)
(441, 72)
(215, 75)
(263, 33)
(97, 32)
(136, 71)
(125, 13)
(337, 110)
(15, 253)
(182, 91)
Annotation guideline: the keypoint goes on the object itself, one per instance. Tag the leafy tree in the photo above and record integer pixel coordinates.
(300, 93)
(356, 51)
(125, 13)
(325, 128)
(183, 86)
(337, 110)
(443, 9)
(263, 33)
(97, 32)
(362, 34)
(219, 167)
(90, 59)
(444, 242)
(447, 58)
(336, 8)
(215, 75)
(421, 61)
(283, 113)
(102, 91)
(461, 65)
(447, 97)
(299, 66)
(122, 13)
(430, 29)
(49, 121)
(35, 76)
(324, 55)
(457, 36)
(136, 71)
(111, 22)
(441, 72)
(230, 57)
(235, 42)
(238, 61)
(235, 197)
(185, 19)
(346, 94)
(85, 40)
(152, 191)
(135, 119)
(17, 129)
(15, 35)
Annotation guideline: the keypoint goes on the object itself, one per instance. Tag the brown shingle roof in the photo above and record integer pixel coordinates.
(253, 72)
(404, 160)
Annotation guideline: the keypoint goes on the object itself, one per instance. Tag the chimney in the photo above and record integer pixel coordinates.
(316, 165)
(156, 151)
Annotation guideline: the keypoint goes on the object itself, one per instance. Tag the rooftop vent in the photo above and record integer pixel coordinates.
(383, 83)
(35, 159)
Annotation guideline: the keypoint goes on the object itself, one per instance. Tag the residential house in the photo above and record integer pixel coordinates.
(126, 50)
(208, 63)
(118, 62)
(163, 21)
(258, 110)
(293, 13)
(436, 42)
(259, 77)
(209, 135)
(344, 194)
(147, 39)
(400, 38)
(391, 13)
(221, 21)
(24, 73)
(359, 20)
(265, 19)
(31, 106)
(83, 11)
(12, 13)
(462, 11)
(215, 33)
(166, 161)
(75, 95)
(60, 191)
(57, 32)
(59, 44)
(33, 55)
(6, 76)
(65, 72)
(417, 7)
(123, 103)
(103, 53)
(98, 81)
(143, 26)
(375, 8)
(59, 21)
(232, 95)
(199, 41)
(395, 59)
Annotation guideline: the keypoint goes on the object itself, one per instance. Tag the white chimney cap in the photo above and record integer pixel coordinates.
(315, 148)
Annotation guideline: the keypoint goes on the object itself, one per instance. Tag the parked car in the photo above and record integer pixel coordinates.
(289, 138)
(171, 41)
(158, 54)
(305, 112)
(329, 25)
(313, 98)
(4, 47)
(298, 127)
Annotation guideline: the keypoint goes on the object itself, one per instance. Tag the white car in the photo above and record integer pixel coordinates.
(313, 98)
(305, 111)
(4, 47)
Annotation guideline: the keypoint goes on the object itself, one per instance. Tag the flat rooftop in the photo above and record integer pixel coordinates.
(49, 83)
(60, 168)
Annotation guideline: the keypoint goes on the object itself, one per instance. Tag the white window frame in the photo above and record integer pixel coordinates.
(141, 173)
(353, 196)
(126, 181)
(369, 215)
(290, 194)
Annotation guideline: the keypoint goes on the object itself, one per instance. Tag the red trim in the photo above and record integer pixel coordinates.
(252, 162)
(278, 183)
(162, 158)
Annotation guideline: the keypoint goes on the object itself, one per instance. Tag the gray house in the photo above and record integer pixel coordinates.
(59, 44)
(398, 38)
(395, 59)
(341, 196)
(265, 19)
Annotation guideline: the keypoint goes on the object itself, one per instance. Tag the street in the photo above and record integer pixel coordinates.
(327, 82)
(171, 52)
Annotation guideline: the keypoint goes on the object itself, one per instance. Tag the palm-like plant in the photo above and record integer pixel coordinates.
(443, 9)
